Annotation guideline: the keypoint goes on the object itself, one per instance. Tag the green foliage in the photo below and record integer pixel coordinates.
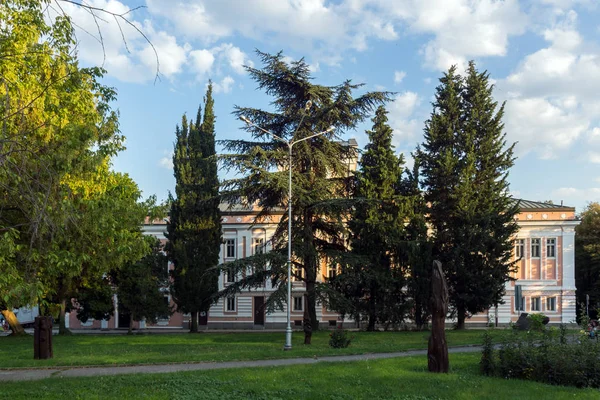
(536, 321)
(66, 218)
(95, 301)
(373, 277)
(319, 169)
(140, 285)
(550, 361)
(339, 339)
(194, 229)
(465, 165)
(487, 363)
(587, 259)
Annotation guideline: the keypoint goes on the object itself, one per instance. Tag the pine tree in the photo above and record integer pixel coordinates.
(194, 229)
(319, 168)
(375, 274)
(465, 165)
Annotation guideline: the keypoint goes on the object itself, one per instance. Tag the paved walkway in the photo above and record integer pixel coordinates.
(64, 372)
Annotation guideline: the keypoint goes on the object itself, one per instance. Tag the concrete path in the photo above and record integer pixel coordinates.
(68, 372)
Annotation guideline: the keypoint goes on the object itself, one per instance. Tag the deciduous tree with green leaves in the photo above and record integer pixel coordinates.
(57, 128)
(587, 253)
(194, 229)
(319, 173)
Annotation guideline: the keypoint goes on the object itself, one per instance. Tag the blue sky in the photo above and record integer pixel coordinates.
(543, 55)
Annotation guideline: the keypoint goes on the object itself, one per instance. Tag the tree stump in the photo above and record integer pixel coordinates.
(437, 349)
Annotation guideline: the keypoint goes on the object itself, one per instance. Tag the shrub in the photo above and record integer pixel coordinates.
(550, 360)
(536, 321)
(486, 364)
(339, 339)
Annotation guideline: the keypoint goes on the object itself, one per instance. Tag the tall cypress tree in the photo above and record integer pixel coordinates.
(465, 165)
(375, 273)
(194, 229)
(319, 169)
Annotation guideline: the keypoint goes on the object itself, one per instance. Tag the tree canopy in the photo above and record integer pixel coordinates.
(319, 171)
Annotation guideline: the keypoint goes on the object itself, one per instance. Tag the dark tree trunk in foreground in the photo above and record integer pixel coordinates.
(437, 350)
(306, 323)
(13, 322)
(130, 330)
(194, 323)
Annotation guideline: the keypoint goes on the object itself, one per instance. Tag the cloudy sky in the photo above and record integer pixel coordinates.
(544, 56)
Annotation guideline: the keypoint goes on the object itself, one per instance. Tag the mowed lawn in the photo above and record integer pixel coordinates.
(399, 378)
(86, 349)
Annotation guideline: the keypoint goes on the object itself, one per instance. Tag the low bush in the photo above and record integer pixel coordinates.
(339, 339)
(548, 360)
(536, 321)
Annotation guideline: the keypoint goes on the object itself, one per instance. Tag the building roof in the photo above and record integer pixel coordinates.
(538, 205)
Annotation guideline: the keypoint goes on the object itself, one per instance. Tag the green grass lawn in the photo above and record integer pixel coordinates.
(206, 347)
(400, 378)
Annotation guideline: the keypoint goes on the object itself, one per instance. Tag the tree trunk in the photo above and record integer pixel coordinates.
(306, 323)
(194, 322)
(372, 310)
(62, 328)
(312, 304)
(130, 330)
(418, 316)
(461, 314)
(437, 348)
(13, 322)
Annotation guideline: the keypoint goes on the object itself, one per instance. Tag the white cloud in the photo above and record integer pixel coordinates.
(462, 29)
(399, 76)
(233, 56)
(166, 161)
(122, 50)
(594, 157)
(594, 135)
(401, 117)
(202, 61)
(224, 86)
(324, 29)
(541, 127)
(552, 94)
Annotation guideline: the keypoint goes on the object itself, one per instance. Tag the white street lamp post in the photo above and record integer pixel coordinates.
(290, 144)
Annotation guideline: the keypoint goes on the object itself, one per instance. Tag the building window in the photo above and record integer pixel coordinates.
(519, 248)
(230, 304)
(520, 307)
(535, 304)
(535, 248)
(230, 248)
(298, 303)
(259, 246)
(331, 271)
(550, 248)
(297, 274)
(550, 303)
(230, 276)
